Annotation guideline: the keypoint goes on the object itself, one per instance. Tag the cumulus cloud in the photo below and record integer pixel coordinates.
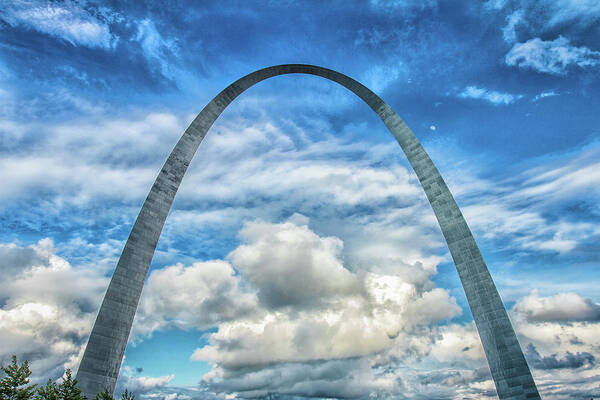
(560, 307)
(492, 96)
(199, 296)
(42, 319)
(140, 385)
(292, 266)
(297, 350)
(67, 21)
(398, 371)
(551, 56)
(376, 312)
(366, 313)
(560, 335)
(383, 304)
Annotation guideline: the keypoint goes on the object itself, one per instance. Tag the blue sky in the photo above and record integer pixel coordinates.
(300, 257)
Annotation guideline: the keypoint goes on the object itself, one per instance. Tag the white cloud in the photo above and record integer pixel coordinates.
(549, 93)
(584, 12)
(42, 318)
(551, 57)
(157, 49)
(551, 13)
(366, 313)
(380, 76)
(292, 266)
(560, 307)
(560, 335)
(241, 173)
(517, 209)
(100, 155)
(541, 18)
(494, 97)
(296, 350)
(508, 31)
(403, 4)
(140, 385)
(383, 302)
(200, 296)
(574, 177)
(529, 229)
(495, 4)
(67, 21)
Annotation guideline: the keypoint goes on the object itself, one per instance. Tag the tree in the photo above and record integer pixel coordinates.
(68, 389)
(15, 385)
(127, 395)
(48, 392)
(105, 395)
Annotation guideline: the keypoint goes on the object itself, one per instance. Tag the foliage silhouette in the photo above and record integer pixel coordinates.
(14, 385)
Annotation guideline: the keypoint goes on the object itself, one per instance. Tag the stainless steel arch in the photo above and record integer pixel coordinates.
(101, 361)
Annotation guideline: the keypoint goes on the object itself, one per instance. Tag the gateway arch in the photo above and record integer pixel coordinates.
(99, 367)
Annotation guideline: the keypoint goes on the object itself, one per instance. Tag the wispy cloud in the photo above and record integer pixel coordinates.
(492, 96)
(549, 93)
(551, 57)
(158, 51)
(391, 4)
(508, 31)
(67, 21)
(527, 208)
(550, 13)
(583, 12)
(378, 77)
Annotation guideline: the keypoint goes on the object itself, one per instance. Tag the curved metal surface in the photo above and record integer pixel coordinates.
(103, 355)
